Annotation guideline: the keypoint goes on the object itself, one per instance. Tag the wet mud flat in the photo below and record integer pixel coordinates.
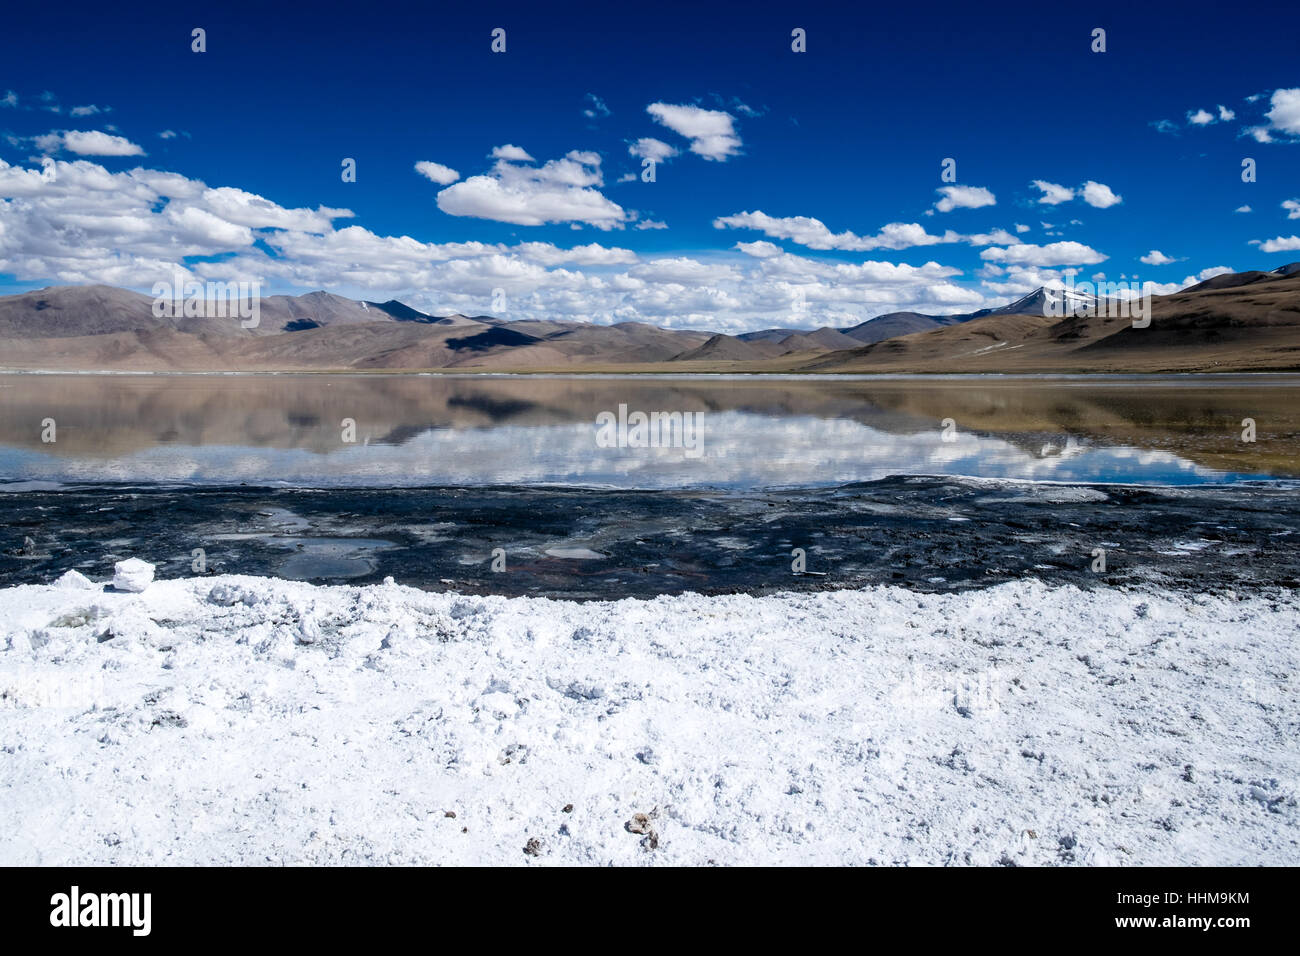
(924, 533)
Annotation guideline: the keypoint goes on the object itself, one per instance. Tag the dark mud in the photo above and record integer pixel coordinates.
(929, 534)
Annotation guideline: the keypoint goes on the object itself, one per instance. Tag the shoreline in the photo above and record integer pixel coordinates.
(931, 534)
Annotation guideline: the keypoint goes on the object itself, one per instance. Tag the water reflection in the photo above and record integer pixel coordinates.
(758, 432)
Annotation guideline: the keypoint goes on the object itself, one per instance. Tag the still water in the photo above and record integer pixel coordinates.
(753, 432)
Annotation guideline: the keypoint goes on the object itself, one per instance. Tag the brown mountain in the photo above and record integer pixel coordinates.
(824, 337)
(1232, 322)
(1241, 321)
(727, 348)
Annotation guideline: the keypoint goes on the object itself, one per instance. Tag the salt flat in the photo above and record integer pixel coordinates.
(250, 720)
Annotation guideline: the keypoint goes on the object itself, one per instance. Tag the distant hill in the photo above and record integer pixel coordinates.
(1242, 320)
(826, 338)
(728, 348)
(892, 324)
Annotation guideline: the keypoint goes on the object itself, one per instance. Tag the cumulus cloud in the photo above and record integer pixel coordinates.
(1199, 117)
(514, 154)
(562, 190)
(1053, 194)
(436, 172)
(1156, 258)
(760, 249)
(256, 212)
(651, 224)
(1243, 209)
(1278, 244)
(647, 147)
(1284, 112)
(1021, 228)
(815, 234)
(595, 108)
(1052, 254)
(964, 197)
(1093, 193)
(83, 224)
(1099, 195)
(87, 143)
(712, 132)
(1292, 207)
(592, 254)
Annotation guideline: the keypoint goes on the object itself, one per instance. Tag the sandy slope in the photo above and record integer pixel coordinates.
(252, 720)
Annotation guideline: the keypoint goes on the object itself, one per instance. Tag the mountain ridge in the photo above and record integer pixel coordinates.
(99, 327)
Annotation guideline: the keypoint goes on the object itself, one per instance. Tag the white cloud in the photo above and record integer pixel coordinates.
(1021, 228)
(592, 254)
(167, 134)
(1243, 209)
(1278, 244)
(761, 249)
(9, 99)
(199, 226)
(1052, 254)
(86, 224)
(1201, 117)
(647, 147)
(1156, 258)
(1053, 194)
(712, 132)
(514, 154)
(814, 233)
(90, 110)
(563, 190)
(998, 237)
(964, 197)
(1284, 114)
(1213, 271)
(1292, 206)
(248, 209)
(436, 172)
(1099, 195)
(87, 143)
(596, 108)
(683, 269)
(651, 224)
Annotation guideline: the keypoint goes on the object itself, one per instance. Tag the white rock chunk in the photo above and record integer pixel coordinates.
(132, 575)
(75, 581)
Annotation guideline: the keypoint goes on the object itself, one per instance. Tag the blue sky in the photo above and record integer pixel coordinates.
(799, 188)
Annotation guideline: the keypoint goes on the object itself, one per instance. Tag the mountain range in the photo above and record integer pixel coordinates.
(1232, 322)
